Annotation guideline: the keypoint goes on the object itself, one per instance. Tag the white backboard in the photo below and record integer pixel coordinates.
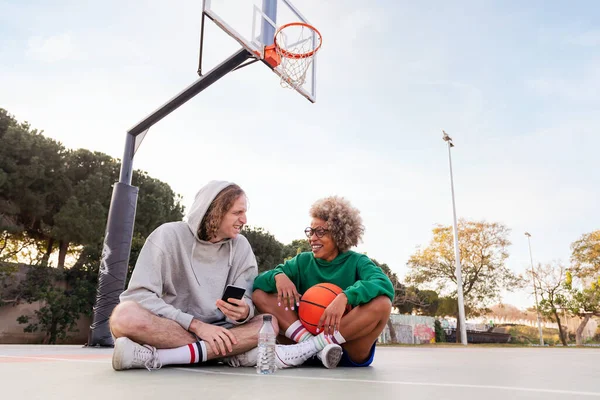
(249, 23)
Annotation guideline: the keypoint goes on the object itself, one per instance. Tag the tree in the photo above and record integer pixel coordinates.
(81, 218)
(157, 203)
(6, 120)
(584, 301)
(585, 256)
(483, 250)
(53, 197)
(296, 247)
(550, 280)
(409, 298)
(58, 314)
(399, 288)
(266, 248)
(32, 183)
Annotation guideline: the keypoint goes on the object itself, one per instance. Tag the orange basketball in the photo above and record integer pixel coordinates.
(314, 302)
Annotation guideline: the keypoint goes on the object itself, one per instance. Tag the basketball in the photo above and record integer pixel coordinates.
(314, 302)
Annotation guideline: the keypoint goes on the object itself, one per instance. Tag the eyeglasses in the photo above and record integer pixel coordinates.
(320, 232)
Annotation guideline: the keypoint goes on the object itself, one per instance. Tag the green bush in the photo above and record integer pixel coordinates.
(440, 334)
(523, 334)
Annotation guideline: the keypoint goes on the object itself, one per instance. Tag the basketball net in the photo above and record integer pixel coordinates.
(296, 44)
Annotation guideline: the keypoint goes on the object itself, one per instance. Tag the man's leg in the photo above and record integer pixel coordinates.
(131, 320)
(171, 343)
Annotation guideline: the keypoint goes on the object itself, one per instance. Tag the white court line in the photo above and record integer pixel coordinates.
(57, 359)
(448, 385)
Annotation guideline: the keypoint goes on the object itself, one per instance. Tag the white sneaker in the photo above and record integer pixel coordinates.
(247, 359)
(331, 355)
(128, 354)
(287, 356)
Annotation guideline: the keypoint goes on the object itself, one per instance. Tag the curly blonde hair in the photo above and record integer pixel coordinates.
(216, 211)
(343, 221)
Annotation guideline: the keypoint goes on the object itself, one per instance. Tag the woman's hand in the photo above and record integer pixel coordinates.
(238, 311)
(218, 338)
(332, 316)
(286, 292)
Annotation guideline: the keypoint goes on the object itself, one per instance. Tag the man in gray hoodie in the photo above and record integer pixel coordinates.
(172, 312)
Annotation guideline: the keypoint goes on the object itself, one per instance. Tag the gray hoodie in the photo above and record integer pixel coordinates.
(180, 277)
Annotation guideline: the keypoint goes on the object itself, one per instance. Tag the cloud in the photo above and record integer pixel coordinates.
(581, 85)
(586, 39)
(51, 49)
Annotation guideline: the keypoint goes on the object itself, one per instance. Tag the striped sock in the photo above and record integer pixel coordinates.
(297, 332)
(321, 340)
(192, 353)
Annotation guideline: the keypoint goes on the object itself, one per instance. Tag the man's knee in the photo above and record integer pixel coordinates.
(274, 322)
(125, 318)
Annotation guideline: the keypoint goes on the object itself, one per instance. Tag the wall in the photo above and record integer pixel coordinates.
(11, 332)
(410, 329)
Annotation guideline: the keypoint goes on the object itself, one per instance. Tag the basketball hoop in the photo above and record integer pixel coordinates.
(296, 44)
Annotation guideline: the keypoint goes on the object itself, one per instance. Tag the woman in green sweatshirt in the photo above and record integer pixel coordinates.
(335, 227)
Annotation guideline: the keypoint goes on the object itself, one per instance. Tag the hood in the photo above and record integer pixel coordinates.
(204, 197)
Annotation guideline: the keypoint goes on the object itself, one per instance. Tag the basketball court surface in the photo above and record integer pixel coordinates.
(451, 373)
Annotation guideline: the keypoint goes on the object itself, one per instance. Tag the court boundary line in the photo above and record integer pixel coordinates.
(40, 358)
(403, 383)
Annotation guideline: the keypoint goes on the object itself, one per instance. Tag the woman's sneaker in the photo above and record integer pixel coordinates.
(128, 354)
(287, 356)
(296, 354)
(331, 355)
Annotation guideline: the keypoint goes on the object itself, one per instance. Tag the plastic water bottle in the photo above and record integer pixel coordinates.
(266, 347)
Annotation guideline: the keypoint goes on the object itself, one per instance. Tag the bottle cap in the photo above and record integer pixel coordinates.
(267, 318)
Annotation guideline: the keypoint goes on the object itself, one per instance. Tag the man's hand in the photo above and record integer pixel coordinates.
(238, 311)
(332, 316)
(286, 292)
(219, 339)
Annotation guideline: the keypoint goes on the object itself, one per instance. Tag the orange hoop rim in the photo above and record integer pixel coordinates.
(290, 54)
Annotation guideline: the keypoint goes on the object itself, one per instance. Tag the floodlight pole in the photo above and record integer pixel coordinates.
(537, 308)
(458, 273)
(121, 215)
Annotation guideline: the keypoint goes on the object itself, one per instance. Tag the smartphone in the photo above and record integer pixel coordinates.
(235, 292)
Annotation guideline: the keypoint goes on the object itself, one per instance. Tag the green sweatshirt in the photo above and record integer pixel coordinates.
(360, 279)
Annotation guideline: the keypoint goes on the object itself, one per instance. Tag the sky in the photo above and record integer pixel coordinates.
(516, 85)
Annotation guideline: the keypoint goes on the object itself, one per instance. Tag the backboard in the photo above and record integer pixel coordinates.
(253, 23)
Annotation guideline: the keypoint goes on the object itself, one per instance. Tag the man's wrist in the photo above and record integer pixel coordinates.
(244, 318)
(195, 325)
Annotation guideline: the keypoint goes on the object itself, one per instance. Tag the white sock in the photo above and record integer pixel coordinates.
(192, 353)
(297, 332)
(320, 341)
